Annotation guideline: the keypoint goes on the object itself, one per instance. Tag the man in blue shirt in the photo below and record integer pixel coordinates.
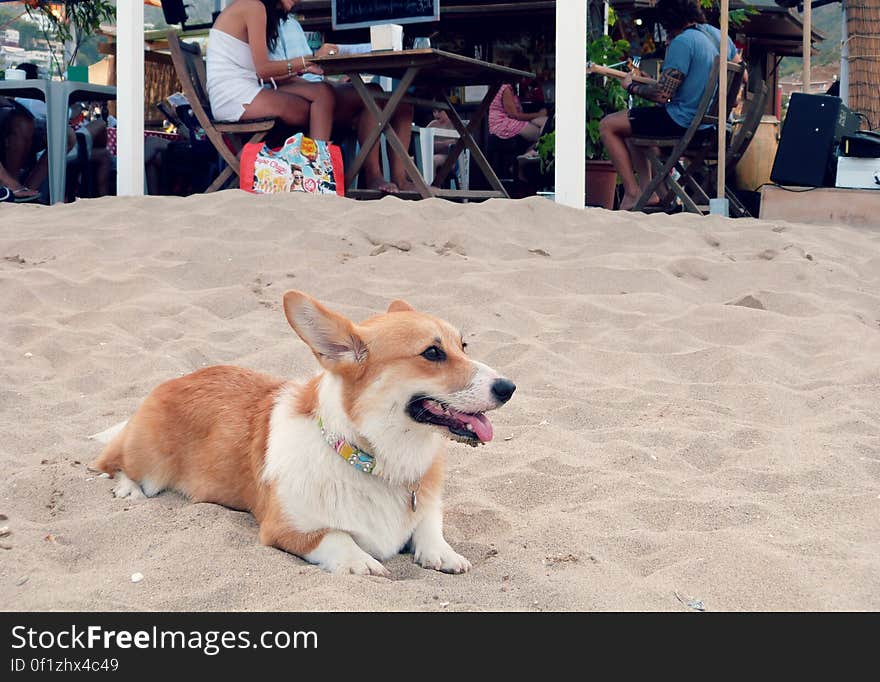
(692, 48)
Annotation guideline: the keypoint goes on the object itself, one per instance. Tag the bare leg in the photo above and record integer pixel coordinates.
(290, 108)
(615, 129)
(98, 130)
(41, 170)
(153, 149)
(532, 131)
(402, 124)
(6, 179)
(350, 111)
(18, 142)
(103, 167)
(322, 102)
(643, 170)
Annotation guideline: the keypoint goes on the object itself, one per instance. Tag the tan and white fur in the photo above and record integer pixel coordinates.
(248, 441)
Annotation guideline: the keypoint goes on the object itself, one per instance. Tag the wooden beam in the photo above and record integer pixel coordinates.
(808, 43)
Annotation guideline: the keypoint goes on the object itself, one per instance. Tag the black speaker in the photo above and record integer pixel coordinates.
(808, 143)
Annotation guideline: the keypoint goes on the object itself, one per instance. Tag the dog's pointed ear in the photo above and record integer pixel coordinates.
(399, 306)
(332, 337)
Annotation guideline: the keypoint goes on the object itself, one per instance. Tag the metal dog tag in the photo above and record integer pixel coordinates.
(415, 500)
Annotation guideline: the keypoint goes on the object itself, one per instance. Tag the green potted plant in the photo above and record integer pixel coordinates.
(68, 23)
(604, 96)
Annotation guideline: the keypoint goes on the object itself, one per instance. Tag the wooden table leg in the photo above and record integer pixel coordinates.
(383, 121)
(466, 139)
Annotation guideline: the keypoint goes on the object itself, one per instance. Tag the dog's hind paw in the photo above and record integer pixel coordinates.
(443, 559)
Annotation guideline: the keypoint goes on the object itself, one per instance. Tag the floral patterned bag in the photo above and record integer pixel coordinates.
(301, 164)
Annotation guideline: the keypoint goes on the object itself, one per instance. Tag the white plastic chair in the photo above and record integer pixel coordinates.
(424, 145)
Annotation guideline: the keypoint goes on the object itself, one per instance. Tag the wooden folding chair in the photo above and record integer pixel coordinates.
(190, 67)
(665, 154)
(742, 130)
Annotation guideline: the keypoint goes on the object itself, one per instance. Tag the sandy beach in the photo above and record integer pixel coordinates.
(696, 425)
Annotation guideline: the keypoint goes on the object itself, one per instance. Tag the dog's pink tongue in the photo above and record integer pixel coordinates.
(481, 426)
(479, 423)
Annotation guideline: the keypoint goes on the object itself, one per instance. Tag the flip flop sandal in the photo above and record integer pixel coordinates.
(20, 198)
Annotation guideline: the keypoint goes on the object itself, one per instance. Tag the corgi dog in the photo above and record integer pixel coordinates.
(343, 470)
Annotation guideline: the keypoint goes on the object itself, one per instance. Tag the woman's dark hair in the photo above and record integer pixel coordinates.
(676, 14)
(274, 16)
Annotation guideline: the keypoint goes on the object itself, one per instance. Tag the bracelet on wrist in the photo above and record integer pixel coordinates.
(289, 69)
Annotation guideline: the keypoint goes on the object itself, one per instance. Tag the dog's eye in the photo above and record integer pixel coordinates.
(434, 354)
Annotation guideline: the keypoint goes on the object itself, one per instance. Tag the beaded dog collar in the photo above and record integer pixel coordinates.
(360, 460)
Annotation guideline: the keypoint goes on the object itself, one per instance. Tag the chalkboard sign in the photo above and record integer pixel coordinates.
(360, 13)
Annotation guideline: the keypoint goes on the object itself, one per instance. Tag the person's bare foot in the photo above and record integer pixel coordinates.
(25, 194)
(629, 200)
(406, 186)
(382, 185)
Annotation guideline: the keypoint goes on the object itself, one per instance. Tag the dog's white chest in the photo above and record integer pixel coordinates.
(317, 489)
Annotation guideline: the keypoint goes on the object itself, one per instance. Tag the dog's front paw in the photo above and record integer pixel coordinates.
(361, 565)
(339, 553)
(441, 558)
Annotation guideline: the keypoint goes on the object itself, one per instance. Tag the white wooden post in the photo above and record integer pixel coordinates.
(130, 98)
(571, 101)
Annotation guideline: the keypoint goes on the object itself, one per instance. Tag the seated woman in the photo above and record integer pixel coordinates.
(507, 118)
(238, 62)
(349, 111)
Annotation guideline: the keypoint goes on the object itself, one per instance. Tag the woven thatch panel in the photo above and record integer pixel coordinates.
(160, 80)
(863, 30)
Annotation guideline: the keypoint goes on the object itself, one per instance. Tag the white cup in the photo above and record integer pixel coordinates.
(16, 75)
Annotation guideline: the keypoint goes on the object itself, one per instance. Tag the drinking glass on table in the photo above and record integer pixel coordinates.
(421, 43)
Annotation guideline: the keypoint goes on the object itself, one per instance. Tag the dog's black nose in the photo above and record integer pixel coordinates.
(502, 389)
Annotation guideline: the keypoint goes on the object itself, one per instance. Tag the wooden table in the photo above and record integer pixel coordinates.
(58, 96)
(434, 71)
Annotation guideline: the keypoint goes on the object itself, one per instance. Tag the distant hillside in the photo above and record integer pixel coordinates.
(31, 37)
(827, 20)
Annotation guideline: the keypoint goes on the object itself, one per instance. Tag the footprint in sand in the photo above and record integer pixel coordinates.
(712, 240)
(257, 288)
(748, 302)
(688, 269)
(447, 248)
